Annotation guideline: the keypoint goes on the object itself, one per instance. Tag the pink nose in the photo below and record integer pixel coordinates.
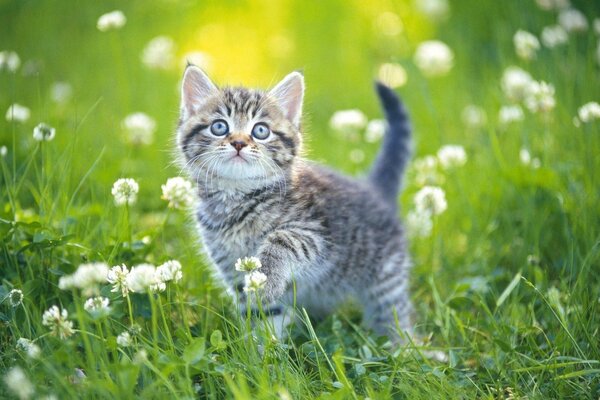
(239, 144)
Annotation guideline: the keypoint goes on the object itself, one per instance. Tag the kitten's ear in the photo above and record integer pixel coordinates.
(289, 94)
(195, 89)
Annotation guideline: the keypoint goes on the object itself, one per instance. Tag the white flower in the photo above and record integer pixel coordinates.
(17, 113)
(356, 156)
(375, 130)
(393, 75)
(97, 305)
(18, 383)
(61, 92)
(426, 171)
(540, 97)
(86, 277)
(573, 20)
(15, 297)
(247, 264)
(144, 277)
(170, 271)
(33, 350)
(117, 276)
(9, 60)
(254, 280)
(419, 223)
(526, 159)
(526, 44)
(199, 59)
(43, 132)
(589, 112)
(452, 155)
(348, 120)
(159, 53)
(125, 191)
(3, 151)
(515, 83)
(124, 339)
(431, 199)
(509, 114)
(178, 192)
(140, 128)
(549, 5)
(554, 35)
(112, 20)
(56, 320)
(434, 58)
(473, 116)
(434, 9)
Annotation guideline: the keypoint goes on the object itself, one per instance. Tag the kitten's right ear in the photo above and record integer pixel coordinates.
(195, 89)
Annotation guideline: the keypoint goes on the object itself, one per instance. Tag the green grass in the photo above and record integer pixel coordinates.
(507, 285)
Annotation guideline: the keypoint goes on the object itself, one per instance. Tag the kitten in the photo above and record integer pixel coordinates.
(336, 237)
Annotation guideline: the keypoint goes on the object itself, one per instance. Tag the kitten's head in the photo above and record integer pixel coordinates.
(237, 137)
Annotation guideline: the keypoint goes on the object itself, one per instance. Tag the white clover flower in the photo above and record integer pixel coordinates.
(573, 20)
(56, 320)
(159, 53)
(554, 35)
(33, 350)
(199, 59)
(141, 357)
(15, 297)
(87, 277)
(97, 306)
(434, 58)
(247, 264)
(356, 156)
(452, 155)
(17, 113)
(18, 383)
(3, 151)
(254, 281)
(124, 339)
(348, 120)
(125, 191)
(9, 60)
(375, 130)
(393, 75)
(140, 128)
(515, 83)
(426, 171)
(550, 5)
(117, 276)
(112, 20)
(473, 116)
(61, 92)
(419, 223)
(170, 271)
(144, 277)
(527, 160)
(526, 44)
(431, 199)
(43, 132)
(179, 193)
(540, 97)
(389, 23)
(509, 114)
(434, 9)
(589, 112)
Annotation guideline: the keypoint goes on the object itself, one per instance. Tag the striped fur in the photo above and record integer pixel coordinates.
(330, 234)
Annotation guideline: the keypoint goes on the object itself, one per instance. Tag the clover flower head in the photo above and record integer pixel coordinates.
(159, 53)
(573, 20)
(554, 35)
(348, 120)
(434, 58)
(87, 277)
(19, 384)
(452, 155)
(30, 348)
(97, 306)
(178, 192)
(144, 277)
(9, 60)
(392, 74)
(56, 319)
(3, 151)
(473, 116)
(140, 128)
(125, 191)
(15, 297)
(419, 223)
(124, 339)
(431, 199)
(170, 271)
(526, 44)
(510, 114)
(43, 132)
(375, 130)
(247, 264)
(540, 97)
(112, 20)
(117, 276)
(589, 112)
(254, 280)
(515, 83)
(17, 113)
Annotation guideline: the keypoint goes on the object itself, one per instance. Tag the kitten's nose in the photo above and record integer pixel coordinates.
(239, 144)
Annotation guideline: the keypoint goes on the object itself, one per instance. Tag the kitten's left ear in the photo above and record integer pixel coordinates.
(289, 94)
(195, 89)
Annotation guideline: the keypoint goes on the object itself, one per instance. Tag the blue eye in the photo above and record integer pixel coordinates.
(219, 128)
(261, 131)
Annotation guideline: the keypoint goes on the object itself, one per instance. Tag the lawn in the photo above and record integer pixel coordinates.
(506, 278)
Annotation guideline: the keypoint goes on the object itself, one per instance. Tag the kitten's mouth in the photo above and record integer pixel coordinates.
(238, 158)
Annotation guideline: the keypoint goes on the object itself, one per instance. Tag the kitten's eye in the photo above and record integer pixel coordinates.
(219, 128)
(261, 131)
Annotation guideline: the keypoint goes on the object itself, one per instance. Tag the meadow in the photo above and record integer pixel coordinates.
(506, 277)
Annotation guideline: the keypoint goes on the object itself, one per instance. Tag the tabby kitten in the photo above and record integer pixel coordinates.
(336, 237)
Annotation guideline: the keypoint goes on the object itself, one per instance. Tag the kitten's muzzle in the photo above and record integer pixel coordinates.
(239, 145)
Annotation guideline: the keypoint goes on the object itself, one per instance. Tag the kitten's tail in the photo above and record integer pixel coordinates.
(388, 168)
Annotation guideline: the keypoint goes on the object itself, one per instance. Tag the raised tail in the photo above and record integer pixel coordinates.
(388, 168)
